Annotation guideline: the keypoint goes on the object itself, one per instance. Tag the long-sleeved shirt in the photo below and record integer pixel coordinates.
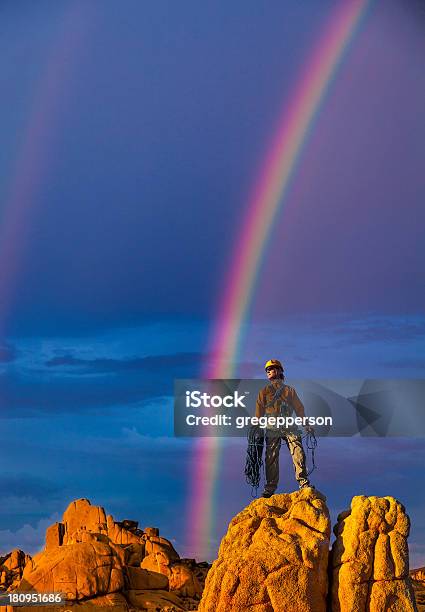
(265, 397)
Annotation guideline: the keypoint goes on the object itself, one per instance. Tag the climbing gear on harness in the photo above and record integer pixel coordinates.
(273, 363)
(276, 396)
(284, 409)
(254, 457)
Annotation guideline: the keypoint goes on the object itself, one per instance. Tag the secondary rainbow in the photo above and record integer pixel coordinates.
(268, 197)
(30, 171)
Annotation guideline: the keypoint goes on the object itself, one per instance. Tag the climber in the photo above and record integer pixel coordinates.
(276, 399)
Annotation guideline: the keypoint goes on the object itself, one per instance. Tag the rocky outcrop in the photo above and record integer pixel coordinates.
(81, 518)
(417, 577)
(418, 574)
(274, 557)
(370, 559)
(155, 600)
(97, 561)
(80, 571)
(180, 578)
(11, 569)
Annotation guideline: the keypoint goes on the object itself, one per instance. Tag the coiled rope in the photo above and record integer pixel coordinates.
(254, 458)
(311, 445)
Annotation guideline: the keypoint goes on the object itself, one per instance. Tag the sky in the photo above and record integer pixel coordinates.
(132, 137)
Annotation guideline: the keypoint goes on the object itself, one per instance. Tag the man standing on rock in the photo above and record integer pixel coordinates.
(278, 399)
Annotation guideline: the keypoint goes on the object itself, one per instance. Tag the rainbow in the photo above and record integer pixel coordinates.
(268, 196)
(31, 166)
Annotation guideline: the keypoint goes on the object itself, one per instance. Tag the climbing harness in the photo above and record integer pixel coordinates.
(277, 397)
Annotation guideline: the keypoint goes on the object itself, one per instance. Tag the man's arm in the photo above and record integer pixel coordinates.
(297, 404)
(299, 409)
(259, 406)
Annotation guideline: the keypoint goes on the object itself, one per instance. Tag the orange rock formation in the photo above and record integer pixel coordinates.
(97, 561)
(275, 557)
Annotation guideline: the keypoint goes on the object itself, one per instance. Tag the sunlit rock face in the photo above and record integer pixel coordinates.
(370, 558)
(97, 561)
(274, 557)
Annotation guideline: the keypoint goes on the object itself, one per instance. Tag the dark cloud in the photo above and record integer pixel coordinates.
(384, 330)
(391, 332)
(407, 363)
(177, 361)
(7, 353)
(178, 365)
(22, 396)
(25, 486)
(97, 383)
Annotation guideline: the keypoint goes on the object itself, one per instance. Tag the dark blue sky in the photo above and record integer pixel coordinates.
(132, 136)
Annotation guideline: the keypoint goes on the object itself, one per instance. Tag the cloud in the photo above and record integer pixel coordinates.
(109, 370)
(377, 457)
(98, 383)
(182, 365)
(151, 363)
(384, 329)
(7, 353)
(28, 487)
(24, 396)
(27, 538)
(415, 363)
(130, 441)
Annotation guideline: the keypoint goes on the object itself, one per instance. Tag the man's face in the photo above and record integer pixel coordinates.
(272, 373)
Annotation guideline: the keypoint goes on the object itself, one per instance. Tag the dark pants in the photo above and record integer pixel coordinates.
(295, 447)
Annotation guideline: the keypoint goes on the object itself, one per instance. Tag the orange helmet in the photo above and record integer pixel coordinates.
(273, 363)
